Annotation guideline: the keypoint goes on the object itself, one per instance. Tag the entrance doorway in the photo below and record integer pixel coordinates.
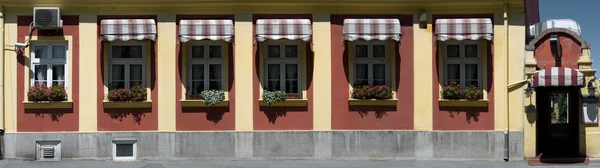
(558, 121)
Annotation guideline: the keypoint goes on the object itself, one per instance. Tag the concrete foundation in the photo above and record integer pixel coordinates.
(481, 145)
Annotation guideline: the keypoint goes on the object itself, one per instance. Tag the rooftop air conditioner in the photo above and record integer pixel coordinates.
(47, 18)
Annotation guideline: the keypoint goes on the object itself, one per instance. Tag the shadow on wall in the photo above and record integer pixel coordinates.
(379, 111)
(471, 113)
(54, 114)
(120, 114)
(213, 114)
(272, 113)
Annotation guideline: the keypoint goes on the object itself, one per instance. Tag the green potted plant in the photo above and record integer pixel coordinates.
(135, 94)
(38, 93)
(272, 97)
(452, 92)
(377, 92)
(473, 93)
(212, 97)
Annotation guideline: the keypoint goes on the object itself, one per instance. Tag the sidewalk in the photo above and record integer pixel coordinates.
(270, 164)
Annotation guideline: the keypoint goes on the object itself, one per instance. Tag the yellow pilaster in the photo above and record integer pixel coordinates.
(88, 105)
(243, 72)
(516, 70)
(322, 65)
(10, 73)
(423, 104)
(167, 61)
(500, 76)
(530, 115)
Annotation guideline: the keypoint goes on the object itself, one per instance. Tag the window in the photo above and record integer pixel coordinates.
(49, 64)
(205, 69)
(463, 63)
(370, 63)
(124, 150)
(283, 63)
(127, 65)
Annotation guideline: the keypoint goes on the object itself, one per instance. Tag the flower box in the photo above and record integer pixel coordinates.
(462, 103)
(372, 102)
(200, 103)
(286, 103)
(130, 104)
(48, 104)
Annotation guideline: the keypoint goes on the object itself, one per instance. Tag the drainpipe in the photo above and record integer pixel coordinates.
(507, 129)
(2, 82)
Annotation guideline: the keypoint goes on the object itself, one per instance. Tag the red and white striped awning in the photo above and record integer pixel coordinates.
(291, 29)
(464, 29)
(206, 30)
(558, 76)
(127, 29)
(372, 29)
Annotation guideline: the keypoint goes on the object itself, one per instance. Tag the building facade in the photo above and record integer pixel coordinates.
(318, 52)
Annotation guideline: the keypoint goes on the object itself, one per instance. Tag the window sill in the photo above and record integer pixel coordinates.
(286, 103)
(462, 103)
(47, 104)
(200, 103)
(372, 102)
(142, 104)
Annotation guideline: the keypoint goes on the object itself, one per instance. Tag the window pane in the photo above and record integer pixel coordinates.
(198, 52)
(379, 51)
(361, 51)
(453, 51)
(273, 85)
(379, 71)
(197, 72)
(215, 85)
(291, 71)
(379, 82)
(453, 71)
(40, 74)
(117, 84)
(135, 72)
(273, 51)
(58, 72)
(41, 52)
(214, 71)
(197, 87)
(471, 72)
(361, 71)
(291, 51)
(291, 86)
(472, 83)
(118, 76)
(471, 51)
(134, 83)
(124, 150)
(56, 82)
(214, 52)
(58, 52)
(273, 71)
(127, 52)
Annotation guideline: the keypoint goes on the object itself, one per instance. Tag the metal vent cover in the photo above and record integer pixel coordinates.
(46, 17)
(48, 150)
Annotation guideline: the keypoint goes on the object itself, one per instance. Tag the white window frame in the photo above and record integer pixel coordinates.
(206, 61)
(114, 150)
(462, 61)
(282, 60)
(127, 62)
(49, 61)
(370, 60)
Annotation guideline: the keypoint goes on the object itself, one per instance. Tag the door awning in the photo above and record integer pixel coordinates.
(291, 29)
(372, 29)
(558, 76)
(464, 29)
(206, 30)
(127, 29)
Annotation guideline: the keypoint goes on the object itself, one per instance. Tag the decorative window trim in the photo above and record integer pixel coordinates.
(146, 64)
(390, 63)
(301, 61)
(483, 65)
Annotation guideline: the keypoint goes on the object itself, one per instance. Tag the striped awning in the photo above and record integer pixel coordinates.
(558, 76)
(206, 30)
(372, 29)
(128, 29)
(291, 29)
(464, 29)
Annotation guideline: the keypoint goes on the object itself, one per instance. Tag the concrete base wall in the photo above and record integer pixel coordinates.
(484, 145)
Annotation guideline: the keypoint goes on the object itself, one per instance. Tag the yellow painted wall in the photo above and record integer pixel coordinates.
(167, 71)
(88, 103)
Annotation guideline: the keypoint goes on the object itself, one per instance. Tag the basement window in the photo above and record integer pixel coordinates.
(124, 150)
(47, 150)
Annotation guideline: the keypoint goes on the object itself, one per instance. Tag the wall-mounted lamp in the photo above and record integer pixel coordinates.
(423, 20)
(528, 90)
(590, 105)
(591, 89)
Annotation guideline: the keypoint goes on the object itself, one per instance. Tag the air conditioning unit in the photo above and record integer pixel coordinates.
(47, 18)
